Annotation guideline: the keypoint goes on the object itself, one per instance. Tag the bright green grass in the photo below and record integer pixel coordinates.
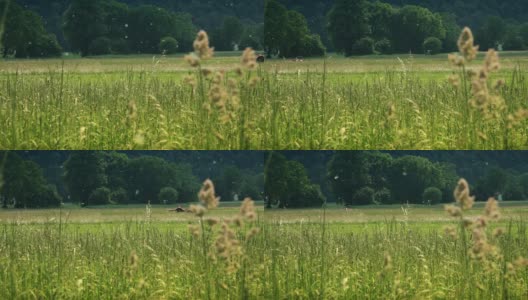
(338, 254)
(89, 253)
(84, 257)
(85, 105)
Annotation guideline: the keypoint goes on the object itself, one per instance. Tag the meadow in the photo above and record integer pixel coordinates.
(372, 102)
(387, 252)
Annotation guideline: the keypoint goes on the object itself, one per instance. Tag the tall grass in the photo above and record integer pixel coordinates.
(108, 261)
(133, 260)
(142, 261)
(146, 260)
(282, 112)
(260, 109)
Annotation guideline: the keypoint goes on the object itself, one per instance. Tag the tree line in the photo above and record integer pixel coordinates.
(371, 178)
(24, 34)
(100, 178)
(98, 27)
(360, 27)
(294, 179)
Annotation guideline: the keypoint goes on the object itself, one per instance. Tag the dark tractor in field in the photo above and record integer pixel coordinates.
(178, 209)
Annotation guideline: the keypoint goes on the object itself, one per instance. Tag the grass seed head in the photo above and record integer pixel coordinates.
(456, 60)
(212, 222)
(462, 196)
(491, 62)
(192, 59)
(197, 210)
(249, 58)
(466, 45)
(201, 45)
(498, 232)
(194, 230)
(451, 232)
(252, 233)
(453, 210)
(247, 209)
(207, 195)
(454, 80)
(521, 262)
(491, 209)
(516, 119)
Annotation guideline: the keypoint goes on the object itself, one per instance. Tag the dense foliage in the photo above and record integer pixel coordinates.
(398, 177)
(24, 34)
(122, 27)
(407, 24)
(42, 179)
(23, 184)
(287, 185)
(286, 33)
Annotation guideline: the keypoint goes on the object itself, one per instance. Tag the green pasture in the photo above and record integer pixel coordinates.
(373, 102)
(389, 252)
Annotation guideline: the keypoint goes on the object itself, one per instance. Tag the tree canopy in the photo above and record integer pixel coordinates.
(43, 179)
(136, 26)
(24, 33)
(286, 33)
(398, 177)
(402, 26)
(287, 184)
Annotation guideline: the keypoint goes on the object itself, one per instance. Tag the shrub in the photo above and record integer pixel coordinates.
(364, 46)
(44, 46)
(383, 46)
(432, 195)
(119, 196)
(363, 196)
(99, 196)
(168, 45)
(168, 194)
(432, 45)
(312, 196)
(382, 196)
(314, 46)
(100, 46)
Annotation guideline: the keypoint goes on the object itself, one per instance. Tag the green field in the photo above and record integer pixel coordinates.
(373, 102)
(388, 252)
(109, 214)
(122, 252)
(394, 253)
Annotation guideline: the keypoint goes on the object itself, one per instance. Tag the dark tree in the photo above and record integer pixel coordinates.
(24, 185)
(24, 34)
(380, 17)
(348, 171)
(83, 173)
(414, 24)
(287, 184)
(84, 21)
(410, 176)
(229, 183)
(275, 15)
(347, 23)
